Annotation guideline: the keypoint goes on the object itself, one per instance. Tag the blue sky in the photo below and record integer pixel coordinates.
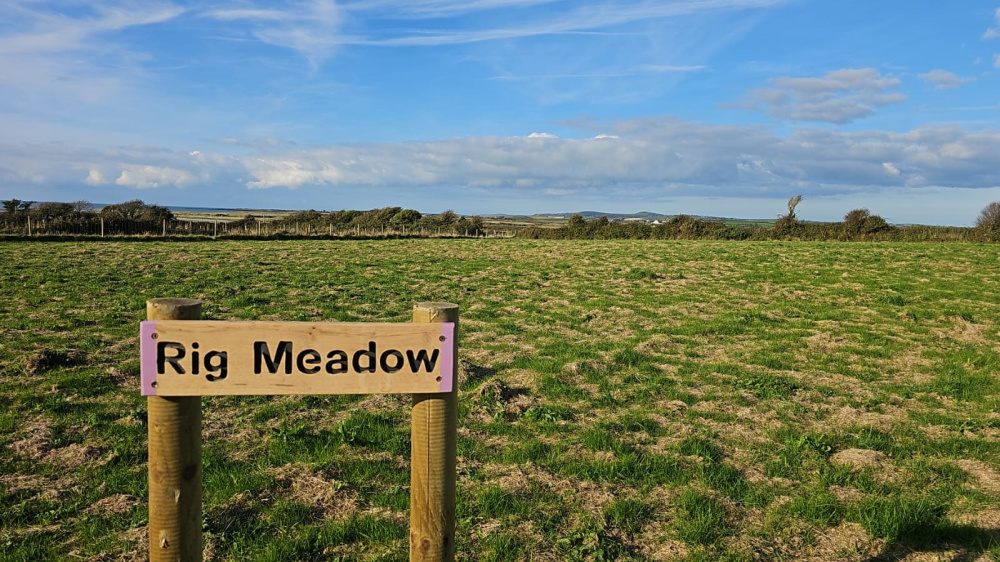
(716, 107)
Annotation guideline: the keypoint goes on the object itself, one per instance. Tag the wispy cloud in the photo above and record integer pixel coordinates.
(417, 9)
(76, 57)
(942, 79)
(586, 18)
(994, 32)
(310, 27)
(840, 96)
(634, 71)
(49, 32)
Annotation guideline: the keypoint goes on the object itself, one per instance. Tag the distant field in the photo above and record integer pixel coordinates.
(631, 400)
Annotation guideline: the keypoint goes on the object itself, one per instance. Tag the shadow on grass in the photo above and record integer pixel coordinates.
(971, 543)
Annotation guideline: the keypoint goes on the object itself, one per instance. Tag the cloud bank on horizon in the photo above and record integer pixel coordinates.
(724, 107)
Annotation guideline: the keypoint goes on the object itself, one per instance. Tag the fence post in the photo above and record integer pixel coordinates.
(102, 227)
(29, 225)
(164, 227)
(174, 458)
(432, 458)
(215, 229)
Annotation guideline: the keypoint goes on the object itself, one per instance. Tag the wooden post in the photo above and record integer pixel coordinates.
(164, 227)
(102, 227)
(215, 229)
(258, 229)
(174, 458)
(432, 459)
(29, 226)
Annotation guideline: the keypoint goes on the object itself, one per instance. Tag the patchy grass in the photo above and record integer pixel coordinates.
(618, 399)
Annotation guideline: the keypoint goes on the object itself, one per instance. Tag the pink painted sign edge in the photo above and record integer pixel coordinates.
(448, 345)
(147, 357)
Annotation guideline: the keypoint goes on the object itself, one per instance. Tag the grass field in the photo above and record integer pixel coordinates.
(630, 400)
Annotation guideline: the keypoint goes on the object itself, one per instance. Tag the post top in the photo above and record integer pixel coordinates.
(173, 301)
(435, 312)
(435, 305)
(173, 309)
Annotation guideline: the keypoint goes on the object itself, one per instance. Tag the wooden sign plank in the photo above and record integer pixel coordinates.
(210, 358)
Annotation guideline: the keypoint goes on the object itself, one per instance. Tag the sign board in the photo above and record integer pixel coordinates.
(211, 358)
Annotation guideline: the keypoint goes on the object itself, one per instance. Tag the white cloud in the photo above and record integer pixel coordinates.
(95, 177)
(542, 136)
(653, 157)
(145, 176)
(996, 60)
(942, 79)
(840, 96)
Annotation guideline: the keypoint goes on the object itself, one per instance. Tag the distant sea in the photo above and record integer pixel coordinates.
(99, 206)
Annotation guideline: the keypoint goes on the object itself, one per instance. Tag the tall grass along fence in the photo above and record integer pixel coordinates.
(98, 227)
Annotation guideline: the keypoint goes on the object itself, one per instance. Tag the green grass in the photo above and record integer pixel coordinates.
(619, 400)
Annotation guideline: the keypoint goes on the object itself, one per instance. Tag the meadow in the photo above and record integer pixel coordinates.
(646, 400)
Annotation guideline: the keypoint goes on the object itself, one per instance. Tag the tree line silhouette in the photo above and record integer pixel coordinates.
(138, 217)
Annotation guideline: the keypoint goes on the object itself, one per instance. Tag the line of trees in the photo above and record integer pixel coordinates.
(138, 217)
(858, 224)
(395, 218)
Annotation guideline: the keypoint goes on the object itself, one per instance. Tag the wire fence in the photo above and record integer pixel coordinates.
(119, 228)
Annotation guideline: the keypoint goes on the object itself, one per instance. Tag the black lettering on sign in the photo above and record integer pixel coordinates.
(261, 353)
(384, 361)
(337, 362)
(175, 361)
(370, 354)
(421, 358)
(217, 362)
(311, 358)
(194, 358)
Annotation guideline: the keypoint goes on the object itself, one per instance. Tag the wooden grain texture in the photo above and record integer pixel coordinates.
(254, 358)
(432, 462)
(174, 459)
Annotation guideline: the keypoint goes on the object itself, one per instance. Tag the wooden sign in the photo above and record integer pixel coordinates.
(208, 358)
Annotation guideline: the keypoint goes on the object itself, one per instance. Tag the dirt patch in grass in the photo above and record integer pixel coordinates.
(963, 331)
(305, 485)
(38, 442)
(24, 482)
(986, 479)
(138, 540)
(860, 459)
(113, 505)
(847, 416)
(74, 455)
(988, 519)
(847, 541)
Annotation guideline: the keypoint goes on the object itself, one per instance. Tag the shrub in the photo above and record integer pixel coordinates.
(988, 223)
(861, 221)
(137, 210)
(406, 217)
(854, 220)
